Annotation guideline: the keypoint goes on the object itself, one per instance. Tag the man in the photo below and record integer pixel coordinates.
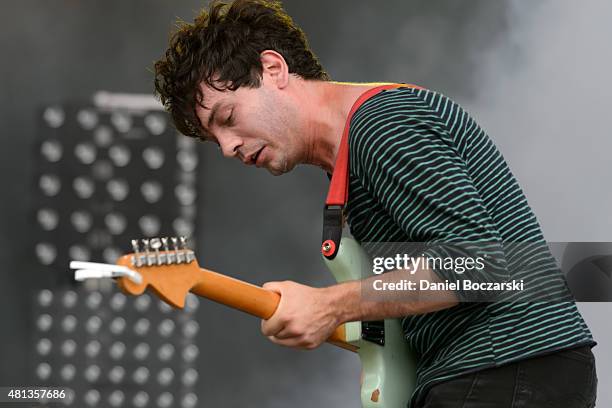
(243, 77)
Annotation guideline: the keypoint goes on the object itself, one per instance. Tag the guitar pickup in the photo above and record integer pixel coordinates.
(373, 332)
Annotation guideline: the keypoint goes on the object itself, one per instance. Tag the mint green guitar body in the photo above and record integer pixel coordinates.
(389, 371)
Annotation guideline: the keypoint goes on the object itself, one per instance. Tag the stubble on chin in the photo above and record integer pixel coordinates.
(281, 169)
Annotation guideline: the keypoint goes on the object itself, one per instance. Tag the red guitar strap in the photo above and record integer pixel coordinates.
(337, 195)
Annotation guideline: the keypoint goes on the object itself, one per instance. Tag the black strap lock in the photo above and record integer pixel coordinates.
(332, 230)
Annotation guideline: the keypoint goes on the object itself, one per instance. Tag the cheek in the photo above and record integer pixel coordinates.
(254, 126)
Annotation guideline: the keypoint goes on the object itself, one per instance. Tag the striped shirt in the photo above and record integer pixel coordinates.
(422, 170)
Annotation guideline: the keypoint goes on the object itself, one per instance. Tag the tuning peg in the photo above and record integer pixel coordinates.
(183, 241)
(177, 249)
(164, 241)
(156, 245)
(146, 243)
(160, 251)
(135, 246)
(188, 253)
(168, 255)
(136, 249)
(180, 252)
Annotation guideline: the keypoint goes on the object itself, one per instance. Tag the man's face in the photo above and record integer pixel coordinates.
(256, 125)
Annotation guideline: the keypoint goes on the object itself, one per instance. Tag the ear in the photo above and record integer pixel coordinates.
(274, 68)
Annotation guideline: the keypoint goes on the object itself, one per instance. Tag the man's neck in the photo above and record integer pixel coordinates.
(329, 104)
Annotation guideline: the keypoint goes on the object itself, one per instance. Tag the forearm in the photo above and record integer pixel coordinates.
(358, 300)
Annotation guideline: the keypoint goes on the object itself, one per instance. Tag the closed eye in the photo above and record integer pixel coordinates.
(230, 119)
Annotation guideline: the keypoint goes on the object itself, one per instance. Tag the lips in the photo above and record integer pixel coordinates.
(257, 156)
(251, 158)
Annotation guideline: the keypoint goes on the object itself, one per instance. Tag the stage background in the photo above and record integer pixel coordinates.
(535, 74)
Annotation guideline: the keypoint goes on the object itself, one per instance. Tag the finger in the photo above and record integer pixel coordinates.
(272, 326)
(293, 342)
(288, 331)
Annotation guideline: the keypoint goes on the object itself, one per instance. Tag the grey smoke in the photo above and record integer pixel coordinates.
(544, 98)
(549, 113)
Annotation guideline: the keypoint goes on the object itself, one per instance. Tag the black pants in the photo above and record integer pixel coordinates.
(565, 379)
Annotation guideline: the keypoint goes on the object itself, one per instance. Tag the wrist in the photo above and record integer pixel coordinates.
(343, 301)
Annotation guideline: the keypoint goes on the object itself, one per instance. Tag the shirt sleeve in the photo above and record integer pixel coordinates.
(414, 164)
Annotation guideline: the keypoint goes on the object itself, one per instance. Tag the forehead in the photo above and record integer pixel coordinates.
(210, 97)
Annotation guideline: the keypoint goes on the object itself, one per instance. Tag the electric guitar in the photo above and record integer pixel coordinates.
(171, 271)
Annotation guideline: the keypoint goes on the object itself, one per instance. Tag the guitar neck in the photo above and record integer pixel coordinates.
(250, 299)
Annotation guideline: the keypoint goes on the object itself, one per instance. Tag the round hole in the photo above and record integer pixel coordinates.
(85, 152)
(87, 118)
(153, 157)
(118, 189)
(115, 222)
(81, 221)
(120, 155)
(84, 187)
(51, 150)
(151, 191)
(103, 136)
(54, 116)
(149, 225)
(155, 123)
(122, 121)
(49, 184)
(46, 253)
(79, 253)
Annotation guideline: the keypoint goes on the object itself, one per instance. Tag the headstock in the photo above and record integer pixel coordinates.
(167, 265)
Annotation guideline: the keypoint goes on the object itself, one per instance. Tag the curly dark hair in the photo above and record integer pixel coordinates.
(222, 49)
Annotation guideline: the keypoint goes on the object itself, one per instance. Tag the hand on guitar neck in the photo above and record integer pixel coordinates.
(305, 316)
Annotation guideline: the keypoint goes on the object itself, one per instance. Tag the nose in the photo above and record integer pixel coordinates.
(229, 144)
